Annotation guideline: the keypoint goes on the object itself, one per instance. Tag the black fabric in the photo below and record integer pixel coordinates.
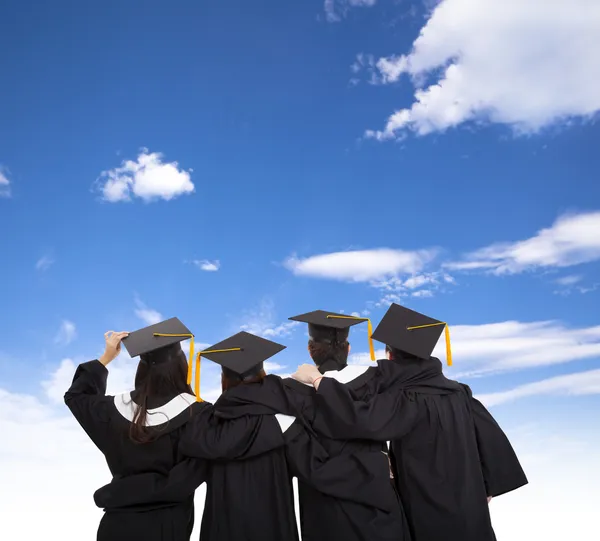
(170, 524)
(447, 452)
(344, 493)
(142, 485)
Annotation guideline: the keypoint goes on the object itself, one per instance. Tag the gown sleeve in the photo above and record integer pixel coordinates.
(501, 469)
(203, 438)
(342, 415)
(356, 477)
(87, 401)
(150, 490)
(210, 438)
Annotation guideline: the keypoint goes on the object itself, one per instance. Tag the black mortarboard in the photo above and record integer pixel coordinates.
(243, 353)
(149, 339)
(163, 334)
(324, 326)
(411, 332)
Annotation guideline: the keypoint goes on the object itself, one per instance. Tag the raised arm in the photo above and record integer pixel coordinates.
(342, 415)
(86, 395)
(501, 469)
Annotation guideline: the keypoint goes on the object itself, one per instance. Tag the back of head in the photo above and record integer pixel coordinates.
(162, 372)
(326, 344)
(230, 379)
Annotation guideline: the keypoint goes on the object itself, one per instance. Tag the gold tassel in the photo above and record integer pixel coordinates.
(447, 336)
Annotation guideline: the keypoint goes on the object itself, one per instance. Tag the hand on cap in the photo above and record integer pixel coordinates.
(307, 373)
(113, 346)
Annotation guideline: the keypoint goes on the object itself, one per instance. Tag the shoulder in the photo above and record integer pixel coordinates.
(181, 407)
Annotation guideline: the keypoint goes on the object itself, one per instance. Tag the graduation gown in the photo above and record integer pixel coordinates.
(344, 487)
(447, 452)
(107, 420)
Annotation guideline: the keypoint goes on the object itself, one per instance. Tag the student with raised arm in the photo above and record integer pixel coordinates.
(449, 456)
(140, 433)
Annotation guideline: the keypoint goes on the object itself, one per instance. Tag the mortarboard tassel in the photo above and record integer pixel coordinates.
(446, 334)
(191, 357)
(198, 359)
(369, 331)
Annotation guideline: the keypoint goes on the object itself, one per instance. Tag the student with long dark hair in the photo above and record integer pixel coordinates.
(140, 432)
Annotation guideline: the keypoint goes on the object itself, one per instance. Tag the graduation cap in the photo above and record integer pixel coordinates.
(243, 353)
(324, 326)
(163, 334)
(412, 332)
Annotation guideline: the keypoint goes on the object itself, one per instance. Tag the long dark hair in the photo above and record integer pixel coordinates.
(160, 373)
(231, 379)
(321, 351)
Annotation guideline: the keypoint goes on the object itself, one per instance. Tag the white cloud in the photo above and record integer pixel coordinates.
(44, 263)
(509, 346)
(563, 469)
(263, 322)
(147, 315)
(336, 9)
(423, 285)
(572, 239)
(66, 334)
(523, 63)
(4, 185)
(578, 384)
(147, 178)
(361, 265)
(206, 265)
(568, 280)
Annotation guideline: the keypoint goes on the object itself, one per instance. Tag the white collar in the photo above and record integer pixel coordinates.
(157, 416)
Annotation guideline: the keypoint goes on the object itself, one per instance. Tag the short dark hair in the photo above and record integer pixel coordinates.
(321, 351)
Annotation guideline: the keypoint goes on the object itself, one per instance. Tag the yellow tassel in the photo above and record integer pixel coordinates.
(198, 362)
(190, 359)
(447, 336)
(369, 331)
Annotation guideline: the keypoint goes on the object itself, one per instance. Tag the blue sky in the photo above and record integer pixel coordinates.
(262, 144)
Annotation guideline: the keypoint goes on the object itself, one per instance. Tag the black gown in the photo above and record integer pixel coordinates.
(448, 453)
(252, 500)
(107, 420)
(349, 498)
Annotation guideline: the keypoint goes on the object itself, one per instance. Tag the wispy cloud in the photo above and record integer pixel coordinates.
(263, 322)
(148, 178)
(4, 183)
(44, 263)
(361, 265)
(520, 63)
(423, 285)
(568, 280)
(147, 315)
(572, 239)
(66, 334)
(578, 384)
(207, 265)
(510, 346)
(335, 10)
